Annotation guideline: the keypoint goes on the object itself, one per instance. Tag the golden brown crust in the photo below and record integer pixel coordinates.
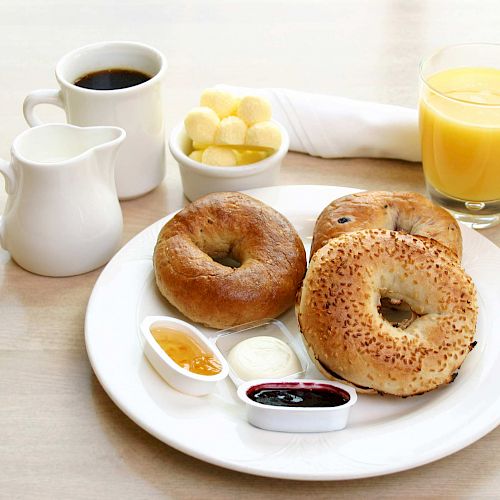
(270, 251)
(339, 319)
(407, 212)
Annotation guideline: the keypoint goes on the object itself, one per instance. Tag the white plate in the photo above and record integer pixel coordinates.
(384, 434)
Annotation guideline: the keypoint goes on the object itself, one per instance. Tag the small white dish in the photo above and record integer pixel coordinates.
(226, 339)
(179, 378)
(199, 179)
(297, 419)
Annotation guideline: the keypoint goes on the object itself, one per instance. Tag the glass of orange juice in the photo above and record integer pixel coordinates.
(460, 131)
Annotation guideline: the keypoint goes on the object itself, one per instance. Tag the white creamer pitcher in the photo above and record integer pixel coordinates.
(62, 215)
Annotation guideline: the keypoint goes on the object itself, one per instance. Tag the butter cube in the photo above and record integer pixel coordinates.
(196, 156)
(199, 145)
(254, 109)
(248, 156)
(201, 124)
(219, 156)
(222, 102)
(232, 131)
(265, 134)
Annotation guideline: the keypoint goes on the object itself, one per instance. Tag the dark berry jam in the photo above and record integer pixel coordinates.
(298, 395)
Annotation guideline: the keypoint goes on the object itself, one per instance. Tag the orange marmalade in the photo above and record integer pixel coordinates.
(185, 351)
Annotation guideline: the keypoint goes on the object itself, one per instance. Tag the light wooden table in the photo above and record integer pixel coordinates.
(60, 434)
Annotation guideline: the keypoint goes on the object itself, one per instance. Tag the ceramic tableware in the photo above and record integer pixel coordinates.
(295, 417)
(180, 378)
(385, 434)
(199, 179)
(139, 109)
(62, 215)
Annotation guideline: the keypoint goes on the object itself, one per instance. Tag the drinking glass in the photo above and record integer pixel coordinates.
(459, 118)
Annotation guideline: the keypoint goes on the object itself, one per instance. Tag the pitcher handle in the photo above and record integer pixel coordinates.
(43, 96)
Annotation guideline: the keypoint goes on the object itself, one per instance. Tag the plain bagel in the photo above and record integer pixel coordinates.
(229, 225)
(347, 337)
(411, 213)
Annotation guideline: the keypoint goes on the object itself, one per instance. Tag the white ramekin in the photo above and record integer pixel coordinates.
(289, 419)
(179, 378)
(199, 180)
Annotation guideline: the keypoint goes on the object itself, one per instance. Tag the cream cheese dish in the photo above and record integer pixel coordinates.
(263, 357)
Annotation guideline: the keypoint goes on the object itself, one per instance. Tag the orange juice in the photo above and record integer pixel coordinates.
(460, 133)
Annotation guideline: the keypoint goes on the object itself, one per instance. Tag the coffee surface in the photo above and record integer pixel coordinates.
(112, 79)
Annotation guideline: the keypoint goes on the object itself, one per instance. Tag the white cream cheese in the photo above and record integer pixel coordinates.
(263, 357)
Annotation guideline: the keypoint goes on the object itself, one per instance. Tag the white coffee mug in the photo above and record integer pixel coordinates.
(140, 164)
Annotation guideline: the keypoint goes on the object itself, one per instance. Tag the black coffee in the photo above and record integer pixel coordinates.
(111, 79)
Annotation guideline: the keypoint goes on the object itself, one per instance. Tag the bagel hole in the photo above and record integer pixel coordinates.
(397, 312)
(401, 226)
(228, 261)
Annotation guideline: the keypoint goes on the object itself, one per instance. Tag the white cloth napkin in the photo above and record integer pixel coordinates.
(337, 127)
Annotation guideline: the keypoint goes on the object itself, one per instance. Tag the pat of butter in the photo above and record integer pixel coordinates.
(263, 357)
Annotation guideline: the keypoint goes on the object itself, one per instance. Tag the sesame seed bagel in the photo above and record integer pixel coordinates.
(347, 337)
(410, 213)
(220, 225)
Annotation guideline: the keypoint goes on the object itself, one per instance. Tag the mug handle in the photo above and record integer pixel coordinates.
(2, 232)
(10, 186)
(43, 96)
(10, 177)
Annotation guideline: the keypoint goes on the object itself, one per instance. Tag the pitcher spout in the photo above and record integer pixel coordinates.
(109, 140)
(107, 136)
(106, 139)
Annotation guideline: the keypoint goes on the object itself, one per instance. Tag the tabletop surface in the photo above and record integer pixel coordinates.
(60, 434)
